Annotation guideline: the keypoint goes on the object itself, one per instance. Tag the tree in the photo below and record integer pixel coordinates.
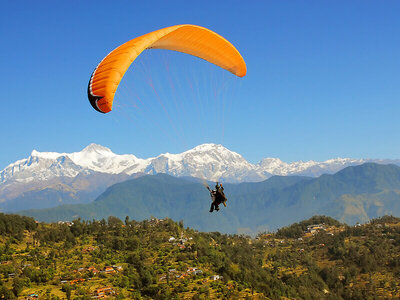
(5, 293)
(17, 286)
(114, 222)
(67, 290)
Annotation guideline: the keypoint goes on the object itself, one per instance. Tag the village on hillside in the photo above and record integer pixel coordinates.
(159, 258)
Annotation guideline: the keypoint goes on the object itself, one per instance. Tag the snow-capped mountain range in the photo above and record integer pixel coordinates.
(96, 167)
(208, 161)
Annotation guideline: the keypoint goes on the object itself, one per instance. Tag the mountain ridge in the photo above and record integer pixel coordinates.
(77, 169)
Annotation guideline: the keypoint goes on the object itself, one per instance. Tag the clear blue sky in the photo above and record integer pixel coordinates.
(323, 79)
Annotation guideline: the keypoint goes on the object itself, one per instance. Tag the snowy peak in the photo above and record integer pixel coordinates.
(45, 155)
(208, 161)
(210, 148)
(101, 159)
(309, 168)
(98, 149)
(207, 153)
(215, 151)
(42, 166)
(204, 154)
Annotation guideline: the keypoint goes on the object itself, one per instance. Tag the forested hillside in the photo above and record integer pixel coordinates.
(318, 258)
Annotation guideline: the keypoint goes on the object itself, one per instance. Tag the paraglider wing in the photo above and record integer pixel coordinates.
(194, 40)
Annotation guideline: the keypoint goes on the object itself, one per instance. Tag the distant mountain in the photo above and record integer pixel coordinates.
(355, 194)
(83, 188)
(46, 179)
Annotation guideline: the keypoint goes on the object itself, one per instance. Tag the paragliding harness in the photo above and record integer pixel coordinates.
(217, 197)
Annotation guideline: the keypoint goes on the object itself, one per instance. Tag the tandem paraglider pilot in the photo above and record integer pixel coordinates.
(217, 197)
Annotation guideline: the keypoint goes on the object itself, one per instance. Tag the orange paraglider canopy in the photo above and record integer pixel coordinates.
(191, 39)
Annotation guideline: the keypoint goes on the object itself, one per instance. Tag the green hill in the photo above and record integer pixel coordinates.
(355, 194)
(161, 259)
